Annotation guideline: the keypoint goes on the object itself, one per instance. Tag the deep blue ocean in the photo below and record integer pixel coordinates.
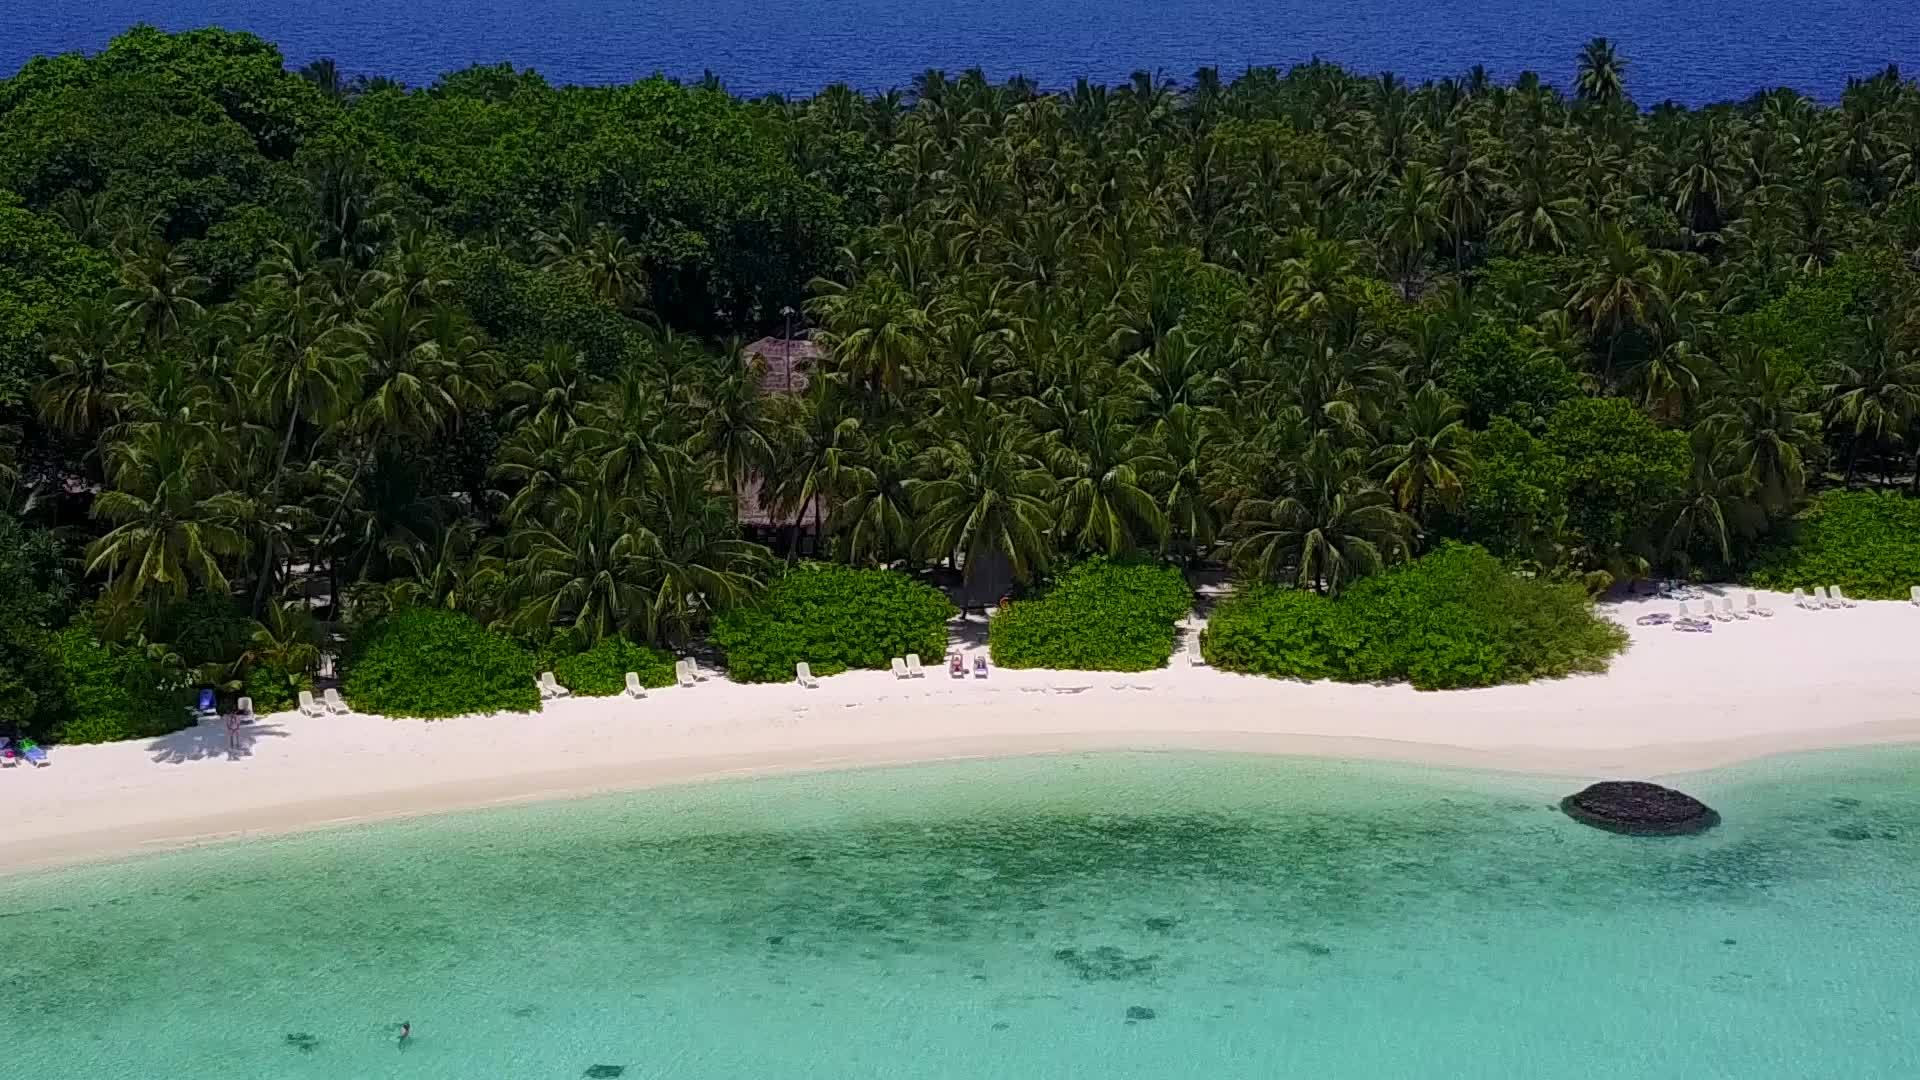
(1695, 52)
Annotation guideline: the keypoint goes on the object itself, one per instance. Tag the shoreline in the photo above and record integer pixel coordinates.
(1672, 704)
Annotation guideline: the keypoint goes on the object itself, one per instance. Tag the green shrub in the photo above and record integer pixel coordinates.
(835, 618)
(112, 692)
(272, 688)
(1868, 543)
(1099, 616)
(206, 630)
(602, 670)
(430, 662)
(1454, 618)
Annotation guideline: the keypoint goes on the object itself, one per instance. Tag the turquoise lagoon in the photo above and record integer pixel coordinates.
(1111, 916)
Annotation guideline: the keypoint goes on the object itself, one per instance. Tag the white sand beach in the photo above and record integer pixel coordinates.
(1673, 702)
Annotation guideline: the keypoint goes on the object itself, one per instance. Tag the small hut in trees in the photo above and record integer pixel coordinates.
(786, 366)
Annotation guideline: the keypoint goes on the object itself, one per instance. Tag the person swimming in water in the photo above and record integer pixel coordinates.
(406, 1033)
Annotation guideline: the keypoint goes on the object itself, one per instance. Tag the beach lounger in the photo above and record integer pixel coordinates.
(1916, 595)
(308, 706)
(1683, 613)
(1693, 626)
(9, 757)
(693, 669)
(1731, 612)
(1657, 618)
(634, 689)
(1194, 659)
(914, 670)
(956, 665)
(34, 753)
(1820, 597)
(205, 706)
(899, 668)
(979, 667)
(803, 674)
(333, 702)
(682, 672)
(1754, 608)
(245, 708)
(1800, 598)
(1838, 599)
(550, 687)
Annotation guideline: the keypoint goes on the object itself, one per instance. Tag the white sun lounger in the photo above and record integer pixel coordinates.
(914, 670)
(683, 671)
(1916, 595)
(334, 704)
(634, 689)
(1820, 597)
(1727, 609)
(1754, 608)
(803, 674)
(308, 706)
(1683, 613)
(899, 668)
(1838, 600)
(1194, 659)
(550, 686)
(244, 707)
(1800, 599)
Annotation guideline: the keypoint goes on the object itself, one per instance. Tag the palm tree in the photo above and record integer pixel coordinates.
(690, 557)
(89, 370)
(1102, 468)
(579, 570)
(1426, 455)
(1329, 528)
(1189, 503)
(983, 492)
(1602, 75)
(873, 512)
(1619, 289)
(172, 527)
(1876, 395)
(734, 431)
(157, 292)
(1761, 429)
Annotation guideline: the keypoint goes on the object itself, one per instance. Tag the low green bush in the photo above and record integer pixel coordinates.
(112, 692)
(1099, 616)
(207, 631)
(430, 662)
(272, 688)
(835, 618)
(1868, 543)
(1453, 618)
(602, 670)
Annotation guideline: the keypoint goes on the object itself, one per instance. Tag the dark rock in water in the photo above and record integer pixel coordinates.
(1105, 964)
(302, 1041)
(604, 1072)
(1638, 808)
(1139, 1012)
(777, 939)
(1728, 941)
(1001, 1025)
(1161, 924)
(1311, 948)
(1850, 832)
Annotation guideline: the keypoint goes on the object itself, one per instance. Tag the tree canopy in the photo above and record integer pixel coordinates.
(297, 337)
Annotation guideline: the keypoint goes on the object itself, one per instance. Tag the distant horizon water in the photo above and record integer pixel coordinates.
(1126, 916)
(1713, 50)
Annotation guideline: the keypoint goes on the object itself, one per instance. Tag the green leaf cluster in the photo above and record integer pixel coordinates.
(429, 662)
(1100, 616)
(1866, 542)
(602, 670)
(1454, 618)
(835, 618)
(112, 692)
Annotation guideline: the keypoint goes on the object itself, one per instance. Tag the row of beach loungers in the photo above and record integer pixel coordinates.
(27, 750)
(687, 673)
(1724, 611)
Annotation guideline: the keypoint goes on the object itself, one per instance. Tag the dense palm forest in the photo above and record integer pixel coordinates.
(278, 342)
